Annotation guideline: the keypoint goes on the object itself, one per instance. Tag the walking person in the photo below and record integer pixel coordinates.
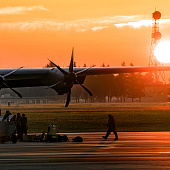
(111, 128)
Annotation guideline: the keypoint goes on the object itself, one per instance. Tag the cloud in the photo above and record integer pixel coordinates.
(48, 25)
(98, 28)
(19, 10)
(83, 25)
(138, 24)
(80, 25)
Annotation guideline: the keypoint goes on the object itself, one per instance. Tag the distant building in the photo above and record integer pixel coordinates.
(26, 100)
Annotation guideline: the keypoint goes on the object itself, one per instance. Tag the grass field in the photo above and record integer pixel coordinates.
(93, 117)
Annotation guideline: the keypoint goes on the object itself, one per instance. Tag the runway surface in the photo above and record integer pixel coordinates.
(133, 150)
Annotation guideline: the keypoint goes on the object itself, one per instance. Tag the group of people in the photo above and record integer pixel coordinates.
(21, 123)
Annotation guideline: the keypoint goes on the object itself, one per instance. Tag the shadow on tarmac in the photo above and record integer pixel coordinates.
(102, 144)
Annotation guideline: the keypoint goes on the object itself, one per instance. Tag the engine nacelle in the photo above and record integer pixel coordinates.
(2, 80)
(62, 88)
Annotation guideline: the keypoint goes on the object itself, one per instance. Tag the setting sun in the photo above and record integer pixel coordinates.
(162, 52)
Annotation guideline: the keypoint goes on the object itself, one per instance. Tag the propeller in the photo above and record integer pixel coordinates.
(70, 78)
(2, 81)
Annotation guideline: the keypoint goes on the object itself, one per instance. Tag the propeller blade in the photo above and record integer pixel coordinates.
(82, 71)
(68, 97)
(88, 91)
(13, 90)
(64, 72)
(11, 72)
(71, 62)
(54, 84)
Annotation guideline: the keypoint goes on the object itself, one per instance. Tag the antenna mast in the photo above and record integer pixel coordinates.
(155, 37)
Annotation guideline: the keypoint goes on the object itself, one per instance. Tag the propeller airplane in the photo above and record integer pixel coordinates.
(62, 79)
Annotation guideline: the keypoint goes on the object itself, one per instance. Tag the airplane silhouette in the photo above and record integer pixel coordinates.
(62, 79)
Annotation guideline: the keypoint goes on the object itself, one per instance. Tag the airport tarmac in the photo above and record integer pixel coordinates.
(133, 150)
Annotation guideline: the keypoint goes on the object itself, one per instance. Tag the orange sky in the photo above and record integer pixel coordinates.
(101, 31)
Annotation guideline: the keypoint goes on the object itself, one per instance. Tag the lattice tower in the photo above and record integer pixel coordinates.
(155, 37)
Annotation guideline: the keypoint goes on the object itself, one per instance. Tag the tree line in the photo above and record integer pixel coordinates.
(105, 88)
(119, 87)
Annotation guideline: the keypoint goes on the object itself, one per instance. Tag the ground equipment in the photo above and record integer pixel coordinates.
(52, 131)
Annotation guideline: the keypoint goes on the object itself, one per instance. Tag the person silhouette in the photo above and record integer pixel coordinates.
(111, 128)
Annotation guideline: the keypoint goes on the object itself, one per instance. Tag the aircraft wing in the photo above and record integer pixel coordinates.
(117, 70)
(62, 79)
(25, 77)
(30, 77)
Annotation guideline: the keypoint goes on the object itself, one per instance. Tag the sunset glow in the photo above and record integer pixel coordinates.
(105, 31)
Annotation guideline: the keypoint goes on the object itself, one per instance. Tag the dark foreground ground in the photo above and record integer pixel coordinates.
(133, 150)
